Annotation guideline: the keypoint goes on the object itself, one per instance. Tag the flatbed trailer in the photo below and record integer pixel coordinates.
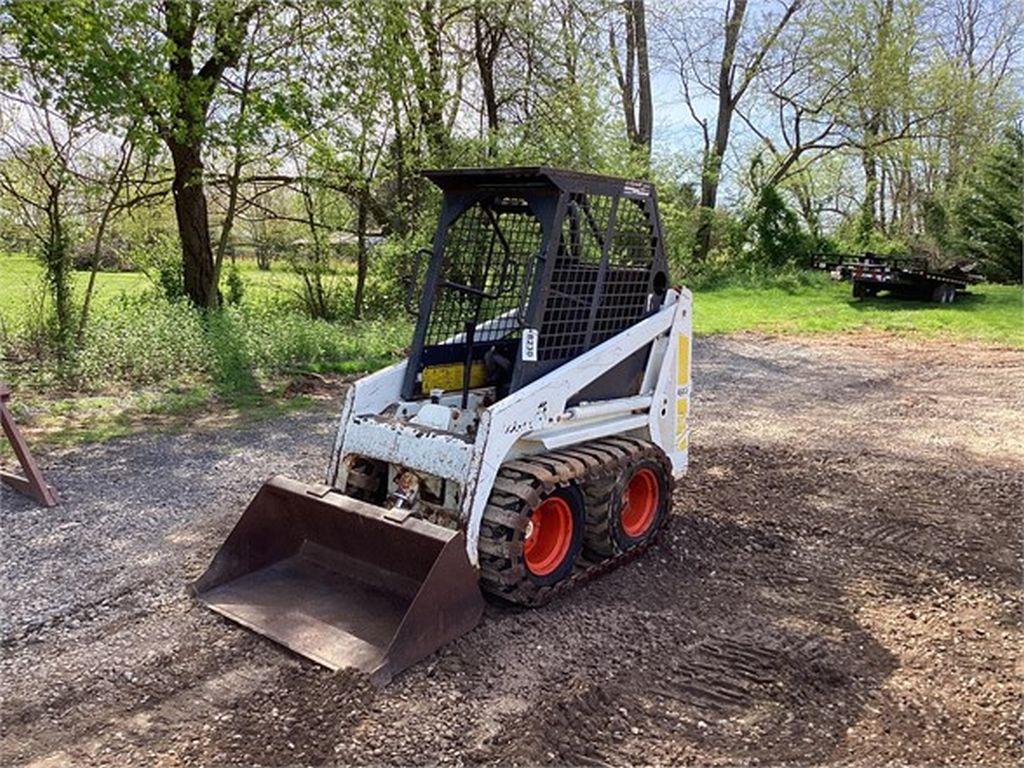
(902, 277)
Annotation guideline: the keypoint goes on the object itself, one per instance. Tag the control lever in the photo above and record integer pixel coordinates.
(469, 331)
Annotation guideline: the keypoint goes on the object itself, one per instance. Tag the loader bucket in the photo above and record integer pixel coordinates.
(334, 580)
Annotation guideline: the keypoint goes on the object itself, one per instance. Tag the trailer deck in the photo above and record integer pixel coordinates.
(901, 277)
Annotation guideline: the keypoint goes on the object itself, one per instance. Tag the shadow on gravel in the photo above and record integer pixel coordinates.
(964, 300)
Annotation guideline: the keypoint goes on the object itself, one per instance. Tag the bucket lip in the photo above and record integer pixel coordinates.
(374, 666)
(333, 497)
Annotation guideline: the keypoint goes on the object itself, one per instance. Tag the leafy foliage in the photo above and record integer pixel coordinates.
(991, 213)
(236, 286)
(776, 237)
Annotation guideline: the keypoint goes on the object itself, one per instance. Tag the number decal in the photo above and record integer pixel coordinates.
(530, 345)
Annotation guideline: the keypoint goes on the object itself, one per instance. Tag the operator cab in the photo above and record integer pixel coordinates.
(529, 268)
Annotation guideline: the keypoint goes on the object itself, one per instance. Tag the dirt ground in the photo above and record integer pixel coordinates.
(841, 583)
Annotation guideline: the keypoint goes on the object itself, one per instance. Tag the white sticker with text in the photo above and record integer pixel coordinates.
(530, 345)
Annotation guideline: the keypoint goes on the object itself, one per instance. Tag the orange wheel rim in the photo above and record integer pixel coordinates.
(548, 536)
(640, 505)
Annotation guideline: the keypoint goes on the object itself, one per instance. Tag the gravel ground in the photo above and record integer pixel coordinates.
(841, 583)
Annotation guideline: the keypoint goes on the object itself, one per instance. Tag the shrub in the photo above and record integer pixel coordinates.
(141, 339)
(158, 255)
(773, 233)
(236, 286)
(230, 361)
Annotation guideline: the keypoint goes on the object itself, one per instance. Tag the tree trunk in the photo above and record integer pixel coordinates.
(486, 44)
(431, 91)
(362, 259)
(490, 97)
(625, 76)
(192, 215)
(57, 256)
(645, 120)
(637, 107)
(870, 166)
(712, 171)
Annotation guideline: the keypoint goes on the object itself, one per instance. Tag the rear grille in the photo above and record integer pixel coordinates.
(602, 274)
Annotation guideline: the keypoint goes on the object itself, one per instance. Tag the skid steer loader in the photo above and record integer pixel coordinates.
(528, 442)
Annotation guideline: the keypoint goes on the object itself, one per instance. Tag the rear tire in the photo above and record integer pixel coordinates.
(630, 509)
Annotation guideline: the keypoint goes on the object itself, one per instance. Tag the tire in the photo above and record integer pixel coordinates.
(950, 294)
(939, 294)
(530, 542)
(631, 508)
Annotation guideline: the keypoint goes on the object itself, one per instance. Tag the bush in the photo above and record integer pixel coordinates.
(141, 339)
(279, 342)
(849, 238)
(230, 359)
(773, 233)
(148, 339)
(236, 286)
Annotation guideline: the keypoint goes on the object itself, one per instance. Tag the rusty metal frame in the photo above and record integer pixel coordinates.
(32, 484)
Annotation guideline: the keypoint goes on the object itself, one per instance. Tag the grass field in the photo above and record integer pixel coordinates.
(156, 366)
(989, 313)
(20, 278)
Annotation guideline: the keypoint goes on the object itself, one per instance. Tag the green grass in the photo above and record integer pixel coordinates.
(148, 363)
(134, 336)
(21, 280)
(988, 313)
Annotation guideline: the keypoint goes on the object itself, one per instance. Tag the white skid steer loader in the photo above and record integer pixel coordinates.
(529, 441)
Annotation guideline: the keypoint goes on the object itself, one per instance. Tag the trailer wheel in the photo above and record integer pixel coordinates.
(529, 542)
(864, 290)
(943, 293)
(632, 508)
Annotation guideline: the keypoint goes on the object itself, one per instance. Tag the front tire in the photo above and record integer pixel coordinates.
(529, 542)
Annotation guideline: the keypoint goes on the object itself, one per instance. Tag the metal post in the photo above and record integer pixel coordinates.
(32, 484)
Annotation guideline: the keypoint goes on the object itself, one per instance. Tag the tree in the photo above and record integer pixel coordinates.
(162, 66)
(36, 178)
(635, 93)
(991, 214)
(727, 79)
(108, 182)
(490, 25)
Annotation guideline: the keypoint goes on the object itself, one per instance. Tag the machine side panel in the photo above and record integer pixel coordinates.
(369, 395)
(415, 446)
(541, 404)
(670, 411)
